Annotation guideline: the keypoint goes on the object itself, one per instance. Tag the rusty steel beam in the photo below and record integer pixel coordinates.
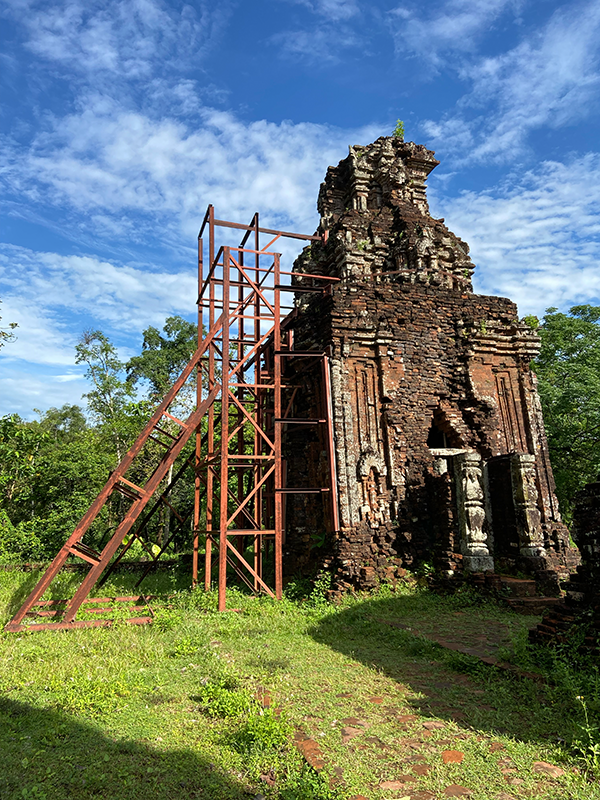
(239, 424)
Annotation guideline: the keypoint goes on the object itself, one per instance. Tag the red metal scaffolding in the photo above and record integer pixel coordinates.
(243, 406)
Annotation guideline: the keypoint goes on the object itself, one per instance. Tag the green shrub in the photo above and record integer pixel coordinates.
(220, 698)
(166, 619)
(398, 132)
(307, 784)
(187, 646)
(263, 730)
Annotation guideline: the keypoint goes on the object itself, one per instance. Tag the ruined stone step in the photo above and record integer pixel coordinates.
(531, 605)
(547, 629)
(518, 587)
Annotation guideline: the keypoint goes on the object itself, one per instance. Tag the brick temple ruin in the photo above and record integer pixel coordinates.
(390, 390)
(441, 453)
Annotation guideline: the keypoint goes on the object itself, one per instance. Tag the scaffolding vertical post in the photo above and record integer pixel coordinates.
(198, 451)
(277, 430)
(329, 434)
(257, 469)
(210, 432)
(224, 482)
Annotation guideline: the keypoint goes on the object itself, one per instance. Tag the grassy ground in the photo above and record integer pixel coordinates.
(181, 708)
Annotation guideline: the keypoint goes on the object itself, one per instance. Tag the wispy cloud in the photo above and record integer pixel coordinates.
(106, 162)
(53, 298)
(124, 38)
(50, 295)
(319, 42)
(334, 10)
(314, 45)
(23, 388)
(552, 78)
(537, 239)
(437, 31)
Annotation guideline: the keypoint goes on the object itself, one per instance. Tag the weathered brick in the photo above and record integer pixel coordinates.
(440, 446)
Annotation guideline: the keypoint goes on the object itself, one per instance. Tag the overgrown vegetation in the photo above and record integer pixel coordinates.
(52, 469)
(568, 370)
(178, 708)
(398, 132)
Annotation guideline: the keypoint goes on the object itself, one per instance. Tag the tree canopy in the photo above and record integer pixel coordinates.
(53, 468)
(568, 371)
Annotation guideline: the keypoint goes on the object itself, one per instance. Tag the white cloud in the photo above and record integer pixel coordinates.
(107, 163)
(550, 79)
(334, 10)
(124, 38)
(314, 46)
(322, 44)
(23, 388)
(47, 289)
(537, 240)
(53, 298)
(455, 26)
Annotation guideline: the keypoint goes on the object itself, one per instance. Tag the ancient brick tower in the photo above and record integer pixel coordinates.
(439, 438)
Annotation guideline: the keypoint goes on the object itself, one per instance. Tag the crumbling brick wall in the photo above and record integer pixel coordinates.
(436, 414)
(579, 612)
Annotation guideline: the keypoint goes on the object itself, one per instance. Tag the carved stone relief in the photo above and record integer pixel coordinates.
(525, 497)
(470, 497)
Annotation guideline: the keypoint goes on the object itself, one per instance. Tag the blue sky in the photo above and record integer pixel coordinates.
(122, 119)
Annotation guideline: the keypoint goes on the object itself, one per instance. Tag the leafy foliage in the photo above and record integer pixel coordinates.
(220, 698)
(7, 334)
(398, 132)
(164, 357)
(50, 471)
(568, 371)
(263, 730)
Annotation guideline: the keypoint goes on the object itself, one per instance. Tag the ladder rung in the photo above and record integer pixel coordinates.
(165, 433)
(130, 489)
(175, 420)
(86, 553)
(128, 493)
(299, 490)
(294, 421)
(158, 441)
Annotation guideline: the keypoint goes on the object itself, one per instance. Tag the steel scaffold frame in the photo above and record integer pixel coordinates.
(240, 390)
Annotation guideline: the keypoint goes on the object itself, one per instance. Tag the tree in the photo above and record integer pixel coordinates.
(164, 357)
(66, 422)
(160, 363)
(110, 399)
(20, 445)
(50, 471)
(568, 370)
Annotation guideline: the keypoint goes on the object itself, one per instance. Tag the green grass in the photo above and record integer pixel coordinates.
(175, 709)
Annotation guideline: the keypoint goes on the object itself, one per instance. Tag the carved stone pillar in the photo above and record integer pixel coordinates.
(525, 498)
(470, 499)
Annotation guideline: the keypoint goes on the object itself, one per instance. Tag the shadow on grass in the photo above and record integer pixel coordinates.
(450, 685)
(49, 755)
